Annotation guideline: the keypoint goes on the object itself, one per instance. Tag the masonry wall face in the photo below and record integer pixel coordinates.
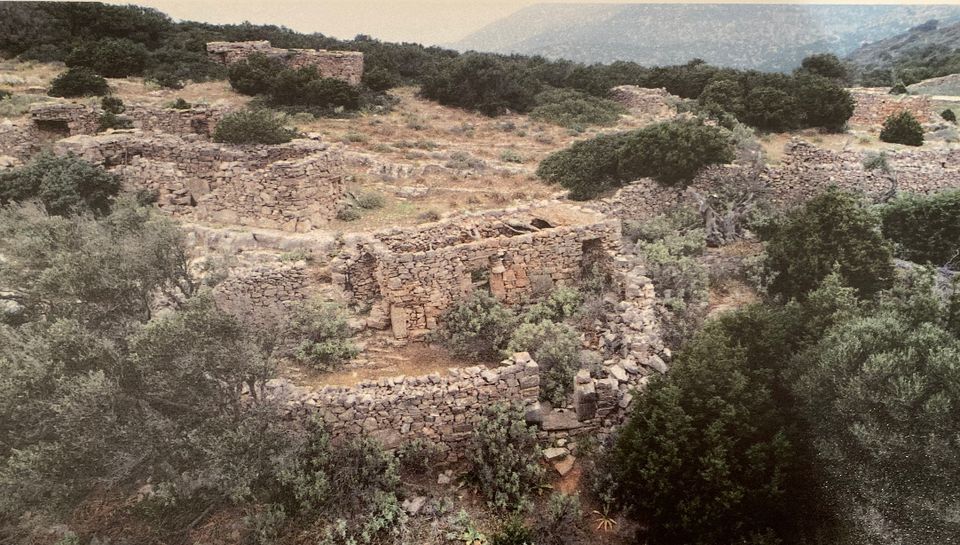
(417, 275)
(873, 106)
(342, 65)
(293, 187)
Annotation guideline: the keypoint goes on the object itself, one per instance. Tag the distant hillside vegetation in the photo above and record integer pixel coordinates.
(926, 51)
(766, 37)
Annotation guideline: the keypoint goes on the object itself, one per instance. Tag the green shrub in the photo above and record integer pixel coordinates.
(253, 127)
(902, 128)
(351, 487)
(771, 109)
(723, 96)
(489, 84)
(832, 230)
(4, 94)
(78, 82)
(556, 348)
(302, 89)
(181, 104)
(898, 89)
(511, 156)
(823, 103)
(110, 118)
(322, 334)
(948, 115)
(371, 200)
(477, 328)
(349, 213)
(513, 532)
(254, 75)
(826, 65)
(587, 168)
(63, 185)
(562, 303)
(709, 454)
(561, 523)
(111, 57)
(876, 161)
(571, 108)
(925, 228)
(504, 458)
(879, 396)
(380, 79)
(418, 456)
(672, 153)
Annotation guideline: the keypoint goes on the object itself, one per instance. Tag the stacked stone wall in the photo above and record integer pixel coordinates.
(82, 119)
(342, 65)
(418, 274)
(873, 106)
(656, 103)
(805, 170)
(263, 290)
(292, 187)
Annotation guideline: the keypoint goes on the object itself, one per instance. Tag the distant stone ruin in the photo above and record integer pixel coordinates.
(69, 119)
(873, 106)
(411, 276)
(343, 65)
(804, 171)
(644, 102)
(292, 187)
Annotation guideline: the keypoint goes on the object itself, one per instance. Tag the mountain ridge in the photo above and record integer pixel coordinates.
(766, 36)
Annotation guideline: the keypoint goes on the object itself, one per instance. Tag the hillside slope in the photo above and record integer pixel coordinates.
(767, 37)
(928, 44)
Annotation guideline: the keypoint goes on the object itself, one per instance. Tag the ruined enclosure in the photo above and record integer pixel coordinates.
(342, 65)
(68, 119)
(292, 187)
(873, 106)
(516, 255)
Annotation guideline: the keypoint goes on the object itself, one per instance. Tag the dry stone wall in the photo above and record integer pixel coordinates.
(72, 119)
(263, 290)
(342, 65)
(804, 171)
(641, 101)
(873, 106)
(415, 275)
(292, 187)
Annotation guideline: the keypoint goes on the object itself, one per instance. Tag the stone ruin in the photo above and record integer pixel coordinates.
(641, 101)
(804, 171)
(410, 277)
(50, 121)
(293, 187)
(342, 65)
(874, 105)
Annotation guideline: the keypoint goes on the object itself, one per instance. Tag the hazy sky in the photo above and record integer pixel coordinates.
(425, 21)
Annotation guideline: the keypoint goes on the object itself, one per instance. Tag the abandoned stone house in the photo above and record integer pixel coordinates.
(410, 277)
(293, 187)
(872, 106)
(343, 65)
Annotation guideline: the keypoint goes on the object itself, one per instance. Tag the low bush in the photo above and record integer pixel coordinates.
(562, 304)
(253, 127)
(832, 231)
(561, 523)
(671, 153)
(322, 334)
(948, 115)
(352, 487)
(63, 185)
(514, 532)
(349, 213)
(293, 90)
(556, 348)
(371, 200)
(489, 84)
(111, 57)
(78, 82)
(477, 328)
(511, 156)
(380, 79)
(574, 109)
(925, 228)
(181, 104)
(110, 118)
(505, 458)
(902, 128)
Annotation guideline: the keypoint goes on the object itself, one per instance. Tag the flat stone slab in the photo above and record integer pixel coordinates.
(560, 421)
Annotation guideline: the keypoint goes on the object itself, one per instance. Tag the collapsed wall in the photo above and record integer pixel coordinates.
(342, 65)
(70, 119)
(805, 170)
(415, 275)
(645, 102)
(263, 291)
(873, 105)
(292, 187)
